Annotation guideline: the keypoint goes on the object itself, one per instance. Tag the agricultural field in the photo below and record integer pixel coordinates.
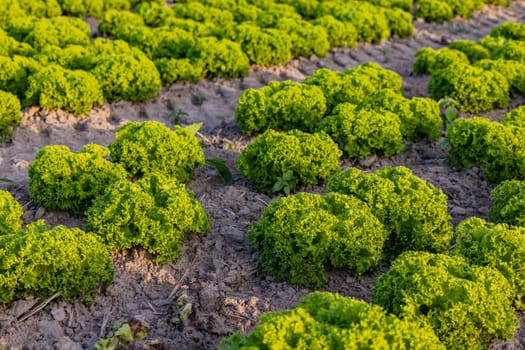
(184, 283)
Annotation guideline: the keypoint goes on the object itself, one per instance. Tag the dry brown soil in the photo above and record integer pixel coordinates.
(218, 273)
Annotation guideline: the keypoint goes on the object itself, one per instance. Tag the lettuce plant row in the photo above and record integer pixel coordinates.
(323, 320)
(364, 219)
(127, 201)
(479, 76)
(463, 297)
(154, 212)
(361, 109)
(440, 11)
(467, 305)
(50, 60)
(470, 295)
(336, 103)
(39, 260)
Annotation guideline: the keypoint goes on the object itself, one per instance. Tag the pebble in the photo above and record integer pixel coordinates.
(7, 320)
(39, 213)
(483, 210)
(234, 234)
(209, 298)
(244, 211)
(28, 216)
(20, 307)
(458, 211)
(58, 314)
(51, 329)
(65, 343)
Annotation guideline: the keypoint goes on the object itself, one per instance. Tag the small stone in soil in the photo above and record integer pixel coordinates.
(20, 307)
(40, 213)
(244, 211)
(58, 314)
(28, 216)
(65, 343)
(234, 234)
(52, 329)
(458, 211)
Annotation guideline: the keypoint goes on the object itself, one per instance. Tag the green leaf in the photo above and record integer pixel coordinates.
(283, 183)
(287, 176)
(125, 333)
(106, 344)
(278, 186)
(446, 102)
(177, 113)
(451, 113)
(198, 100)
(222, 169)
(193, 128)
(176, 116)
(5, 179)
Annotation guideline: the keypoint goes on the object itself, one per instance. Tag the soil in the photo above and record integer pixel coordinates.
(218, 274)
